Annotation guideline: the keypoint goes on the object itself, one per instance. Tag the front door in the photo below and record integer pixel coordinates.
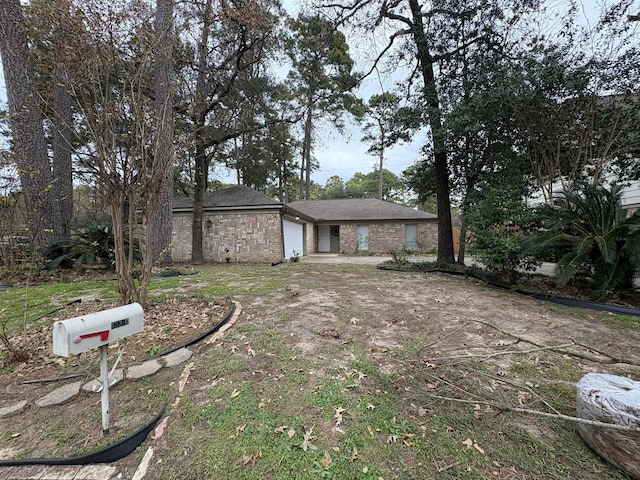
(335, 239)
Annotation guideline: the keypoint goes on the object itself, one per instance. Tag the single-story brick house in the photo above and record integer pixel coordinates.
(243, 225)
(239, 225)
(352, 225)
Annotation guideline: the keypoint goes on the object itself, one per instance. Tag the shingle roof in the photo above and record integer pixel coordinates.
(236, 196)
(357, 209)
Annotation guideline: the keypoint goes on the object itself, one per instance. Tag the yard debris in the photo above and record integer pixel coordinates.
(184, 377)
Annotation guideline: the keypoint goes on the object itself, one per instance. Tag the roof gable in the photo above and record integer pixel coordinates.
(357, 209)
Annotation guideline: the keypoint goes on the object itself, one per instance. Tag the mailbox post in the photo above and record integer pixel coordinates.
(96, 330)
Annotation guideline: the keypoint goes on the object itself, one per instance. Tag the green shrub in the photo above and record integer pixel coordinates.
(600, 243)
(499, 222)
(88, 246)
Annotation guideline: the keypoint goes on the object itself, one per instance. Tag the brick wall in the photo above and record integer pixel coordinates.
(250, 237)
(387, 237)
(311, 238)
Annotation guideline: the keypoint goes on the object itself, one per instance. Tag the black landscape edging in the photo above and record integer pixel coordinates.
(570, 302)
(199, 338)
(108, 454)
(127, 445)
(574, 302)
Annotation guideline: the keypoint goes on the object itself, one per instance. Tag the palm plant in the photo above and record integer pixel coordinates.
(87, 246)
(599, 240)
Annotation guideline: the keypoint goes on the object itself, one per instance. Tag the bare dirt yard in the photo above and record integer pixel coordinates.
(334, 371)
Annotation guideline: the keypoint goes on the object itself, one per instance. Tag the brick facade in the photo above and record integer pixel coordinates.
(387, 237)
(249, 237)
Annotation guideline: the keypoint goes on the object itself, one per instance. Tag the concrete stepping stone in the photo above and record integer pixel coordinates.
(93, 472)
(23, 472)
(176, 358)
(16, 408)
(60, 395)
(95, 385)
(144, 369)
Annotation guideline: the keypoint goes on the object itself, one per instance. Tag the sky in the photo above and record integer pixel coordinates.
(345, 154)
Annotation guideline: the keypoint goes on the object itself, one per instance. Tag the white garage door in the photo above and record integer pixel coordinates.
(293, 238)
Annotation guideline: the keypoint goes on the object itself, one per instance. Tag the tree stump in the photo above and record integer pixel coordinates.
(611, 399)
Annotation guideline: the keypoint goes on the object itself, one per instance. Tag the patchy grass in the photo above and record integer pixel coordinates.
(343, 371)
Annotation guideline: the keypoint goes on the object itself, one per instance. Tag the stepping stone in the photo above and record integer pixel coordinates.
(60, 472)
(95, 385)
(176, 358)
(60, 395)
(23, 472)
(91, 472)
(147, 368)
(17, 408)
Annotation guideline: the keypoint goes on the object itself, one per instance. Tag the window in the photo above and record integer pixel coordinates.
(411, 236)
(363, 238)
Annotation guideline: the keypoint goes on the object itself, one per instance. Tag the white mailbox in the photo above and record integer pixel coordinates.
(80, 334)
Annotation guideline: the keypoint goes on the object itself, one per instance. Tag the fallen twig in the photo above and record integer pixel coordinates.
(449, 467)
(504, 352)
(537, 413)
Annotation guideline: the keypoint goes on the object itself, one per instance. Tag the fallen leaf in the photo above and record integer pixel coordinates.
(354, 321)
(241, 428)
(184, 377)
(280, 429)
(234, 349)
(251, 458)
(291, 433)
(306, 440)
(326, 461)
(477, 447)
(235, 393)
(392, 439)
(370, 406)
(250, 351)
(338, 415)
(468, 442)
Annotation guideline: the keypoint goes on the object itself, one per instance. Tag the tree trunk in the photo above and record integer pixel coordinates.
(161, 219)
(308, 130)
(199, 121)
(380, 175)
(197, 257)
(62, 149)
(462, 243)
(432, 101)
(29, 145)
